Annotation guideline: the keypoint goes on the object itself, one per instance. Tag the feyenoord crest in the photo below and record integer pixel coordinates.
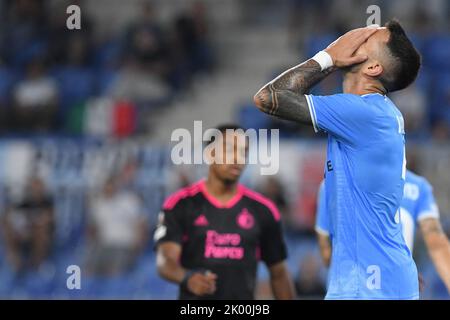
(245, 220)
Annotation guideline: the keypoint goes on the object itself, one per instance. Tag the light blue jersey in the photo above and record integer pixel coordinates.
(364, 180)
(322, 215)
(418, 203)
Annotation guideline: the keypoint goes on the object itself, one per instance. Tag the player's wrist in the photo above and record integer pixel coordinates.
(184, 282)
(324, 59)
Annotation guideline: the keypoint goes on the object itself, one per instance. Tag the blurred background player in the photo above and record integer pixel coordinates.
(417, 207)
(212, 234)
(365, 164)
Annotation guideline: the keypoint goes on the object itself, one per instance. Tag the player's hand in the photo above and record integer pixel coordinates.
(342, 51)
(202, 284)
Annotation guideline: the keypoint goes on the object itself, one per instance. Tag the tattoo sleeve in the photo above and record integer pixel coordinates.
(284, 96)
(438, 247)
(431, 226)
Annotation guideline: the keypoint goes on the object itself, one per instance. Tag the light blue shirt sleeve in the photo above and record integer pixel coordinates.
(345, 116)
(322, 217)
(426, 206)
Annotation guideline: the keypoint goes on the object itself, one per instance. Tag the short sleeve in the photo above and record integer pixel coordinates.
(322, 217)
(273, 247)
(427, 206)
(345, 116)
(170, 226)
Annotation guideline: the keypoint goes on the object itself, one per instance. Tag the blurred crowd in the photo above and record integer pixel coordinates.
(56, 80)
(116, 227)
(94, 206)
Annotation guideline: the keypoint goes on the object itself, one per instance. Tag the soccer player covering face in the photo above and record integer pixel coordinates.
(212, 234)
(365, 166)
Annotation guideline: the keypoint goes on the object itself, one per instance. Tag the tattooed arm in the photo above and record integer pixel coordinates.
(284, 96)
(438, 247)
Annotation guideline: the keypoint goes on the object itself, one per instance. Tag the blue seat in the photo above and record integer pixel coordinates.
(434, 287)
(105, 79)
(35, 48)
(250, 117)
(418, 41)
(115, 288)
(7, 280)
(436, 52)
(317, 43)
(92, 287)
(39, 285)
(442, 86)
(161, 289)
(75, 85)
(7, 80)
(108, 54)
(440, 96)
(424, 79)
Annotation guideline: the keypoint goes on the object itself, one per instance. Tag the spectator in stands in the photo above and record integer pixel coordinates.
(145, 42)
(144, 75)
(273, 190)
(70, 46)
(308, 283)
(134, 84)
(35, 99)
(117, 231)
(191, 39)
(77, 52)
(28, 228)
(23, 32)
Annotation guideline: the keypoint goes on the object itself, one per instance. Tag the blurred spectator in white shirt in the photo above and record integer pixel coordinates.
(35, 99)
(117, 230)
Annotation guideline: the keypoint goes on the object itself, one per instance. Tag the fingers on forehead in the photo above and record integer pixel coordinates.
(360, 33)
(369, 29)
(364, 34)
(362, 29)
